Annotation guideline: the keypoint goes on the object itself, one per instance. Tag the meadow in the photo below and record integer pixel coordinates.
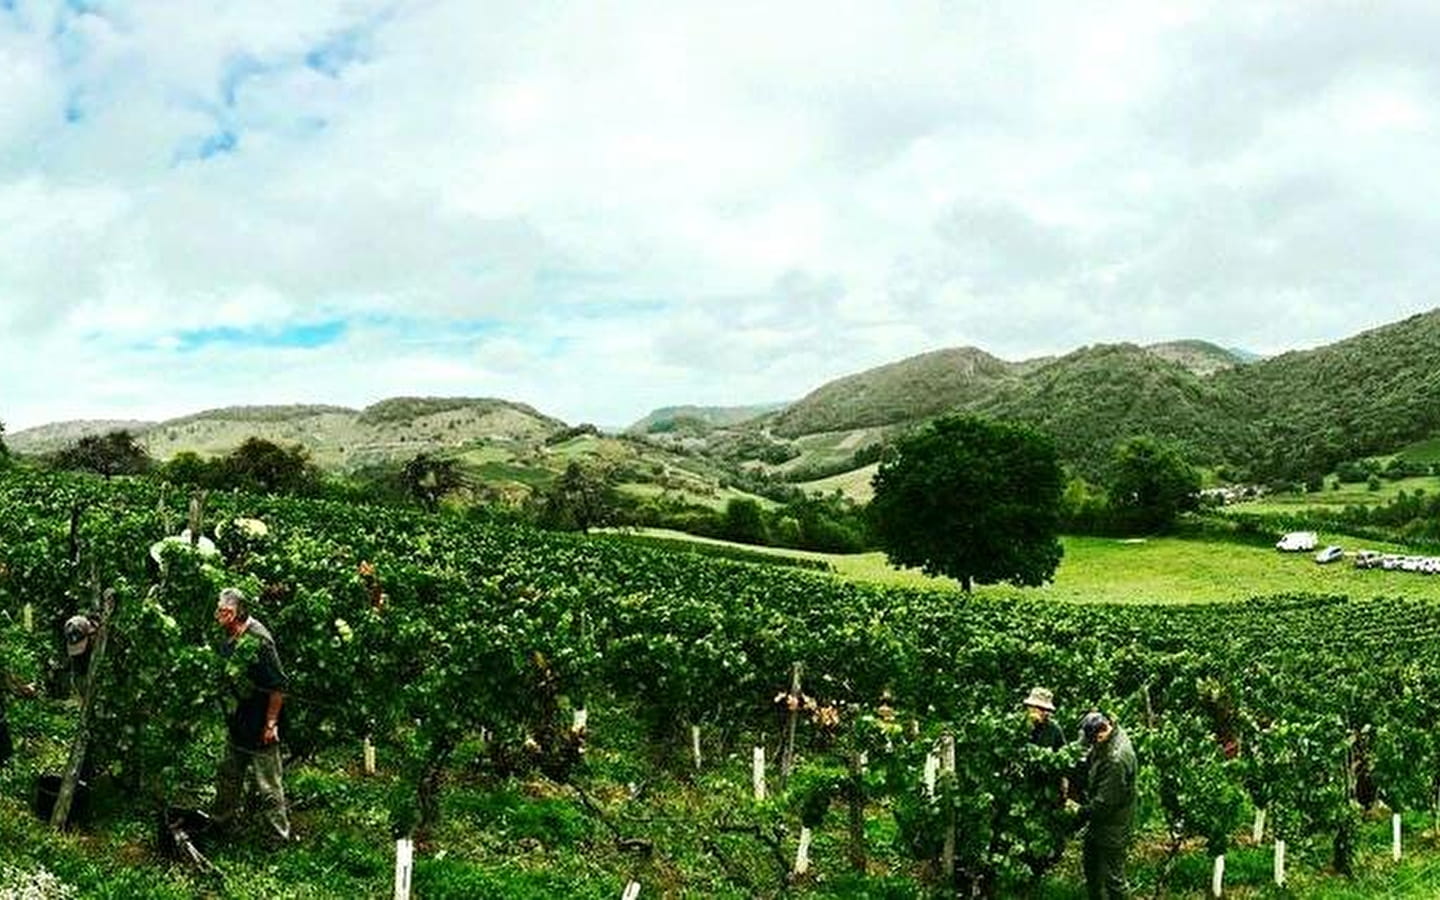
(1164, 570)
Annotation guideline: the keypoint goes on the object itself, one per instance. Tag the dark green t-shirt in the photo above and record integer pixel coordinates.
(253, 672)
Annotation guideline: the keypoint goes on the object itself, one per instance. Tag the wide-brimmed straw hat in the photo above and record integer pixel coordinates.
(1041, 698)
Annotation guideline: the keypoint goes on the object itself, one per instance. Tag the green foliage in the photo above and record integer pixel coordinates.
(261, 465)
(971, 499)
(1087, 399)
(405, 409)
(428, 479)
(1150, 484)
(114, 453)
(461, 648)
(744, 521)
(579, 500)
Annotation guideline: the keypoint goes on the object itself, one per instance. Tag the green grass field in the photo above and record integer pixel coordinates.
(1156, 570)
(1347, 495)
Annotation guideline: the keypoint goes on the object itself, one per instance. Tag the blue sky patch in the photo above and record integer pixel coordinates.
(338, 52)
(412, 330)
(302, 337)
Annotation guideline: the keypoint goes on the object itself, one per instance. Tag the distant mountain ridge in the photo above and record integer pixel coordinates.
(1285, 416)
(336, 436)
(666, 417)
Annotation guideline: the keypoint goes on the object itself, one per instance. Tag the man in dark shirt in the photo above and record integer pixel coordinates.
(254, 693)
(1040, 707)
(1048, 790)
(1109, 810)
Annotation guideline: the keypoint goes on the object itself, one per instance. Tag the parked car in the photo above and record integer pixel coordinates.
(1368, 559)
(1298, 541)
(1330, 554)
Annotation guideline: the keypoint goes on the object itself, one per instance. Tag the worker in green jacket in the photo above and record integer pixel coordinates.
(1109, 808)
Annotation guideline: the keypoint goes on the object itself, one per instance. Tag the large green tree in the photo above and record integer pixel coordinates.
(427, 479)
(258, 464)
(580, 499)
(1150, 484)
(973, 499)
(115, 453)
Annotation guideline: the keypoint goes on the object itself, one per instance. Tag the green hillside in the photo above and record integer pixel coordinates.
(910, 389)
(1199, 357)
(1090, 399)
(668, 419)
(1365, 395)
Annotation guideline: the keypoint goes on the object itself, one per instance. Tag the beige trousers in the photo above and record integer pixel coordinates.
(261, 769)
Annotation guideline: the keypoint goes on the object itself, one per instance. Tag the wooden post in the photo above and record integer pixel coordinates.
(932, 768)
(632, 891)
(78, 746)
(947, 767)
(802, 852)
(1279, 862)
(1257, 832)
(27, 617)
(859, 854)
(162, 509)
(695, 745)
(1217, 878)
(197, 516)
(369, 756)
(787, 755)
(757, 773)
(404, 867)
(1395, 837)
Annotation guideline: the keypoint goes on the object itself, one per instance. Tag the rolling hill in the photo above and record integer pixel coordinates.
(337, 437)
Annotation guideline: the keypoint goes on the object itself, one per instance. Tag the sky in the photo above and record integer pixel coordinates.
(602, 208)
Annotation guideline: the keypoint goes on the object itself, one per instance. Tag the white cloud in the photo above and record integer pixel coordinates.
(655, 203)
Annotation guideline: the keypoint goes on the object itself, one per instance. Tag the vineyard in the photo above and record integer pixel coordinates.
(677, 721)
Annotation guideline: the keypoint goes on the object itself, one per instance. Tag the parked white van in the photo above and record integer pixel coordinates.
(1297, 541)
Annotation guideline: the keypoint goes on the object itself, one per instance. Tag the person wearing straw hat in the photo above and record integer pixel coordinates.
(1040, 708)
(1048, 790)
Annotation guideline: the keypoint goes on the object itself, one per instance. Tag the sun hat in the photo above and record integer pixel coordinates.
(1040, 698)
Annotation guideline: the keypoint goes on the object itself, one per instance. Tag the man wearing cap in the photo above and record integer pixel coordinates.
(78, 630)
(1109, 809)
(255, 686)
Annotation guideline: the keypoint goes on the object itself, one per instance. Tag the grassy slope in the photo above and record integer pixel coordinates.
(1156, 570)
(854, 484)
(1347, 495)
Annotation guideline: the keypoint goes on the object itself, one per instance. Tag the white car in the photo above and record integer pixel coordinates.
(1329, 554)
(1367, 559)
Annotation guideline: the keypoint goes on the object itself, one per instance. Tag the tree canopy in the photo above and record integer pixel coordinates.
(1151, 484)
(972, 499)
(115, 453)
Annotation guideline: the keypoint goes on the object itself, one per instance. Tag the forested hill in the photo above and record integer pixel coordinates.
(1089, 399)
(910, 389)
(1200, 357)
(1292, 416)
(675, 418)
(1366, 394)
